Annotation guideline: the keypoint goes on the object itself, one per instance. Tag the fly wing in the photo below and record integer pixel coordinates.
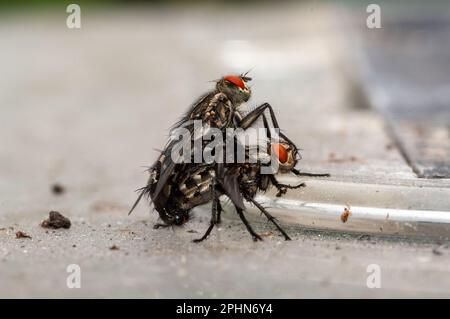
(230, 184)
(167, 169)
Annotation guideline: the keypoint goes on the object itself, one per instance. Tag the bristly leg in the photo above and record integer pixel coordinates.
(212, 223)
(216, 209)
(269, 217)
(281, 191)
(298, 173)
(219, 212)
(240, 212)
(282, 188)
(251, 117)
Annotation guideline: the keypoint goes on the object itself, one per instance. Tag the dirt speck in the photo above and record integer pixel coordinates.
(266, 234)
(21, 234)
(114, 247)
(56, 220)
(58, 189)
(346, 214)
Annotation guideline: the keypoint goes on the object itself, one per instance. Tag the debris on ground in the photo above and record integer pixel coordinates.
(266, 234)
(21, 234)
(346, 214)
(192, 231)
(114, 247)
(58, 189)
(56, 220)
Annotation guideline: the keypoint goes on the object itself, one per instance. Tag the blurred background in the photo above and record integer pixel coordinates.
(87, 107)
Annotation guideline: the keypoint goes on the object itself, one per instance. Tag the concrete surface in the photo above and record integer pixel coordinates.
(85, 108)
(166, 264)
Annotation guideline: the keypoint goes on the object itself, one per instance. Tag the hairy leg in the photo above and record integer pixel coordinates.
(219, 212)
(282, 188)
(255, 236)
(212, 223)
(298, 173)
(269, 217)
(214, 216)
(254, 115)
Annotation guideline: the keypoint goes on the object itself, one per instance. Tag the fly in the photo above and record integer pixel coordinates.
(176, 188)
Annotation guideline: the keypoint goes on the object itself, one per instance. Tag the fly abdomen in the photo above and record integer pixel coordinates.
(195, 188)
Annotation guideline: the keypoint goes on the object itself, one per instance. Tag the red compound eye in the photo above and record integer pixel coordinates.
(281, 152)
(236, 80)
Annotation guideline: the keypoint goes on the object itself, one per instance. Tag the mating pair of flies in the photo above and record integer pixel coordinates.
(176, 188)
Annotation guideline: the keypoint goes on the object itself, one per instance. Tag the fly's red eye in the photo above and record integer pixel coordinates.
(281, 152)
(236, 80)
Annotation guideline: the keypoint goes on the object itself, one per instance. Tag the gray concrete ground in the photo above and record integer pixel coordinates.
(85, 108)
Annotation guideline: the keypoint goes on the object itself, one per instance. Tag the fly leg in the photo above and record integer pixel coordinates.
(212, 223)
(298, 173)
(255, 236)
(282, 188)
(215, 216)
(254, 115)
(219, 212)
(269, 217)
